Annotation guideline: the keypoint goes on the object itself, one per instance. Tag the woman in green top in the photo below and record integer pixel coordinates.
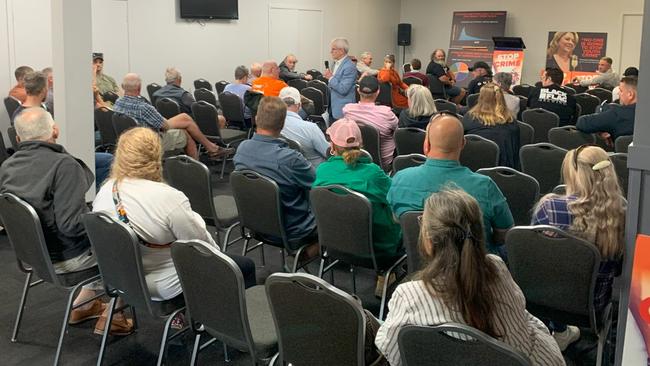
(350, 168)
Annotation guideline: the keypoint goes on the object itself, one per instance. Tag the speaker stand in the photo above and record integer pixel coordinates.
(403, 54)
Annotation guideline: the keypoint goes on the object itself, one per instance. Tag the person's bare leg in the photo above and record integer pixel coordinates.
(221, 121)
(190, 148)
(184, 122)
(459, 98)
(84, 294)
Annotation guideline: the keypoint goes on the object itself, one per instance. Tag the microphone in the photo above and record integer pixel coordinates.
(327, 64)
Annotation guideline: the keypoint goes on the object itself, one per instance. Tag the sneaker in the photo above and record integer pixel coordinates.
(120, 326)
(380, 284)
(93, 312)
(564, 339)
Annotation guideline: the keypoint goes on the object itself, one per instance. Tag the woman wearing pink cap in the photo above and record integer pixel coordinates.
(348, 167)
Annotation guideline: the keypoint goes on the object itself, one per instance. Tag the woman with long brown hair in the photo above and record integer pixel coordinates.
(461, 283)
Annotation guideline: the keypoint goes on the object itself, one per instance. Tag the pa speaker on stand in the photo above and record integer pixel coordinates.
(404, 38)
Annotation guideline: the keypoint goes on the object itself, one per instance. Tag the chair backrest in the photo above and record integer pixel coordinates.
(104, 122)
(299, 84)
(315, 96)
(205, 116)
(13, 137)
(523, 105)
(315, 74)
(410, 80)
(203, 94)
(25, 233)
(454, 344)
(385, 97)
(219, 86)
(472, 99)
(479, 152)
(370, 137)
(168, 108)
(622, 143)
(152, 88)
(569, 90)
(110, 96)
(409, 140)
(293, 144)
(542, 121)
(11, 104)
(410, 238)
(3, 150)
(569, 137)
(526, 133)
(318, 84)
(202, 83)
(620, 166)
(445, 105)
(117, 250)
(588, 103)
(122, 122)
(560, 189)
(543, 161)
(407, 161)
(213, 287)
(344, 222)
(258, 203)
(306, 310)
(232, 107)
(523, 90)
(436, 87)
(193, 179)
(521, 191)
(565, 293)
(603, 94)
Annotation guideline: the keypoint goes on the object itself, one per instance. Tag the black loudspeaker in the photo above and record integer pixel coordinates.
(404, 34)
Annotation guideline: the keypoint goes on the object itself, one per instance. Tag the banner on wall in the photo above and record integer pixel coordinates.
(637, 334)
(476, 28)
(575, 53)
(461, 60)
(508, 61)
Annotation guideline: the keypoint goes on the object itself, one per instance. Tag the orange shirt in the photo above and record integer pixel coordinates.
(396, 83)
(268, 85)
(19, 93)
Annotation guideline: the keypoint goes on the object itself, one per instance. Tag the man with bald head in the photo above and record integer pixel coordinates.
(288, 69)
(442, 146)
(269, 83)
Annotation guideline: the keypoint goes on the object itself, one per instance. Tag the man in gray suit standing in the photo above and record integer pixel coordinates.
(341, 78)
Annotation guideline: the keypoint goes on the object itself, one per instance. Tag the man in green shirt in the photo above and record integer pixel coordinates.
(104, 82)
(442, 146)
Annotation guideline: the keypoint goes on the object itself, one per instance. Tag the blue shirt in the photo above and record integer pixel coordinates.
(294, 175)
(239, 90)
(309, 136)
(412, 186)
(138, 109)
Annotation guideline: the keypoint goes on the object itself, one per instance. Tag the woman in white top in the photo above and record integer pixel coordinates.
(158, 213)
(461, 284)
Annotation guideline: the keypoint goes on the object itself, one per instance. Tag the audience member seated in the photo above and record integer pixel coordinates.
(552, 97)
(18, 91)
(443, 145)
(630, 71)
(438, 68)
(490, 118)
(614, 120)
(388, 74)
(256, 71)
(104, 82)
(593, 208)
(173, 91)
(482, 73)
(239, 88)
(54, 183)
(504, 81)
(49, 99)
(415, 72)
(307, 134)
(364, 68)
(159, 214)
(350, 169)
(268, 155)
(288, 69)
(178, 132)
(605, 76)
(342, 78)
(461, 283)
(269, 83)
(421, 108)
(35, 86)
(380, 117)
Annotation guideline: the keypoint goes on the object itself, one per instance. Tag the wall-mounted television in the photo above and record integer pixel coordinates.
(209, 9)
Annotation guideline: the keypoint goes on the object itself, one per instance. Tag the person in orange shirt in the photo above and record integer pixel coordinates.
(398, 88)
(269, 83)
(18, 92)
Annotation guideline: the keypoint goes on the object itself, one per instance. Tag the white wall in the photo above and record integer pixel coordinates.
(531, 20)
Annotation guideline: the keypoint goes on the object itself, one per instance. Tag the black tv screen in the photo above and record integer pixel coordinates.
(209, 9)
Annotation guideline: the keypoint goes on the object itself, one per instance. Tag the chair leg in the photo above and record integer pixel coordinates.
(163, 341)
(195, 349)
(226, 356)
(21, 307)
(245, 250)
(107, 329)
(262, 255)
(66, 317)
(223, 166)
(354, 280)
(384, 290)
(135, 318)
(321, 267)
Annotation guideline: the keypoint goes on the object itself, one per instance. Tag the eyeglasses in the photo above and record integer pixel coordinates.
(576, 153)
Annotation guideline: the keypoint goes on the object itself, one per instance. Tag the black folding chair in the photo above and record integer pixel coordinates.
(569, 137)
(110, 96)
(472, 99)
(436, 87)
(151, 89)
(202, 83)
(299, 84)
(317, 97)
(104, 123)
(315, 74)
(206, 95)
(409, 140)
(542, 121)
(122, 122)
(219, 86)
(620, 166)
(385, 97)
(522, 90)
(526, 133)
(445, 105)
(407, 161)
(167, 107)
(233, 110)
(11, 104)
(622, 143)
(371, 141)
(603, 94)
(543, 161)
(409, 222)
(318, 84)
(479, 152)
(13, 137)
(521, 191)
(410, 80)
(588, 103)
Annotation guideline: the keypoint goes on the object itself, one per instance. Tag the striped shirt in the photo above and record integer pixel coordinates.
(413, 304)
(141, 111)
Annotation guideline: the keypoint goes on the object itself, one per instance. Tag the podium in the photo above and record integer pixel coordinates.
(508, 56)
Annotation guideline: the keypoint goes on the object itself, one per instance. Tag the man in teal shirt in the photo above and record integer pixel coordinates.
(442, 146)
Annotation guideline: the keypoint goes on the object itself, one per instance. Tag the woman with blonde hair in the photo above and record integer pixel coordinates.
(388, 74)
(461, 283)
(491, 118)
(593, 208)
(421, 107)
(559, 53)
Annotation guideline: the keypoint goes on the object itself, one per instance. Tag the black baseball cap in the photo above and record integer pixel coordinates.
(481, 65)
(97, 55)
(368, 85)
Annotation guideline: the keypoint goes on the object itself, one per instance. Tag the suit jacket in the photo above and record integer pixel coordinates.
(341, 87)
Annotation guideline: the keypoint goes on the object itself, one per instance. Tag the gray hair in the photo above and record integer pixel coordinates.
(35, 83)
(131, 83)
(503, 79)
(47, 71)
(341, 43)
(365, 54)
(420, 101)
(34, 123)
(172, 75)
(241, 71)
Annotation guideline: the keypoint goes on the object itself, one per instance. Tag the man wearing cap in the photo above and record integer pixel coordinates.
(288, 69)
(307, 134)
(380, 117)
(553, 97)
(103, 82)
(482, 73)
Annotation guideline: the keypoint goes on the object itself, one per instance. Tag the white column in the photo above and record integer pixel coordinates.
(72, 62)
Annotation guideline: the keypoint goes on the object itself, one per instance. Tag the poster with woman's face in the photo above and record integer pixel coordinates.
(575, 51)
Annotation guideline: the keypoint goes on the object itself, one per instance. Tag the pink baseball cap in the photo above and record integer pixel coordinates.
(345, 133)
